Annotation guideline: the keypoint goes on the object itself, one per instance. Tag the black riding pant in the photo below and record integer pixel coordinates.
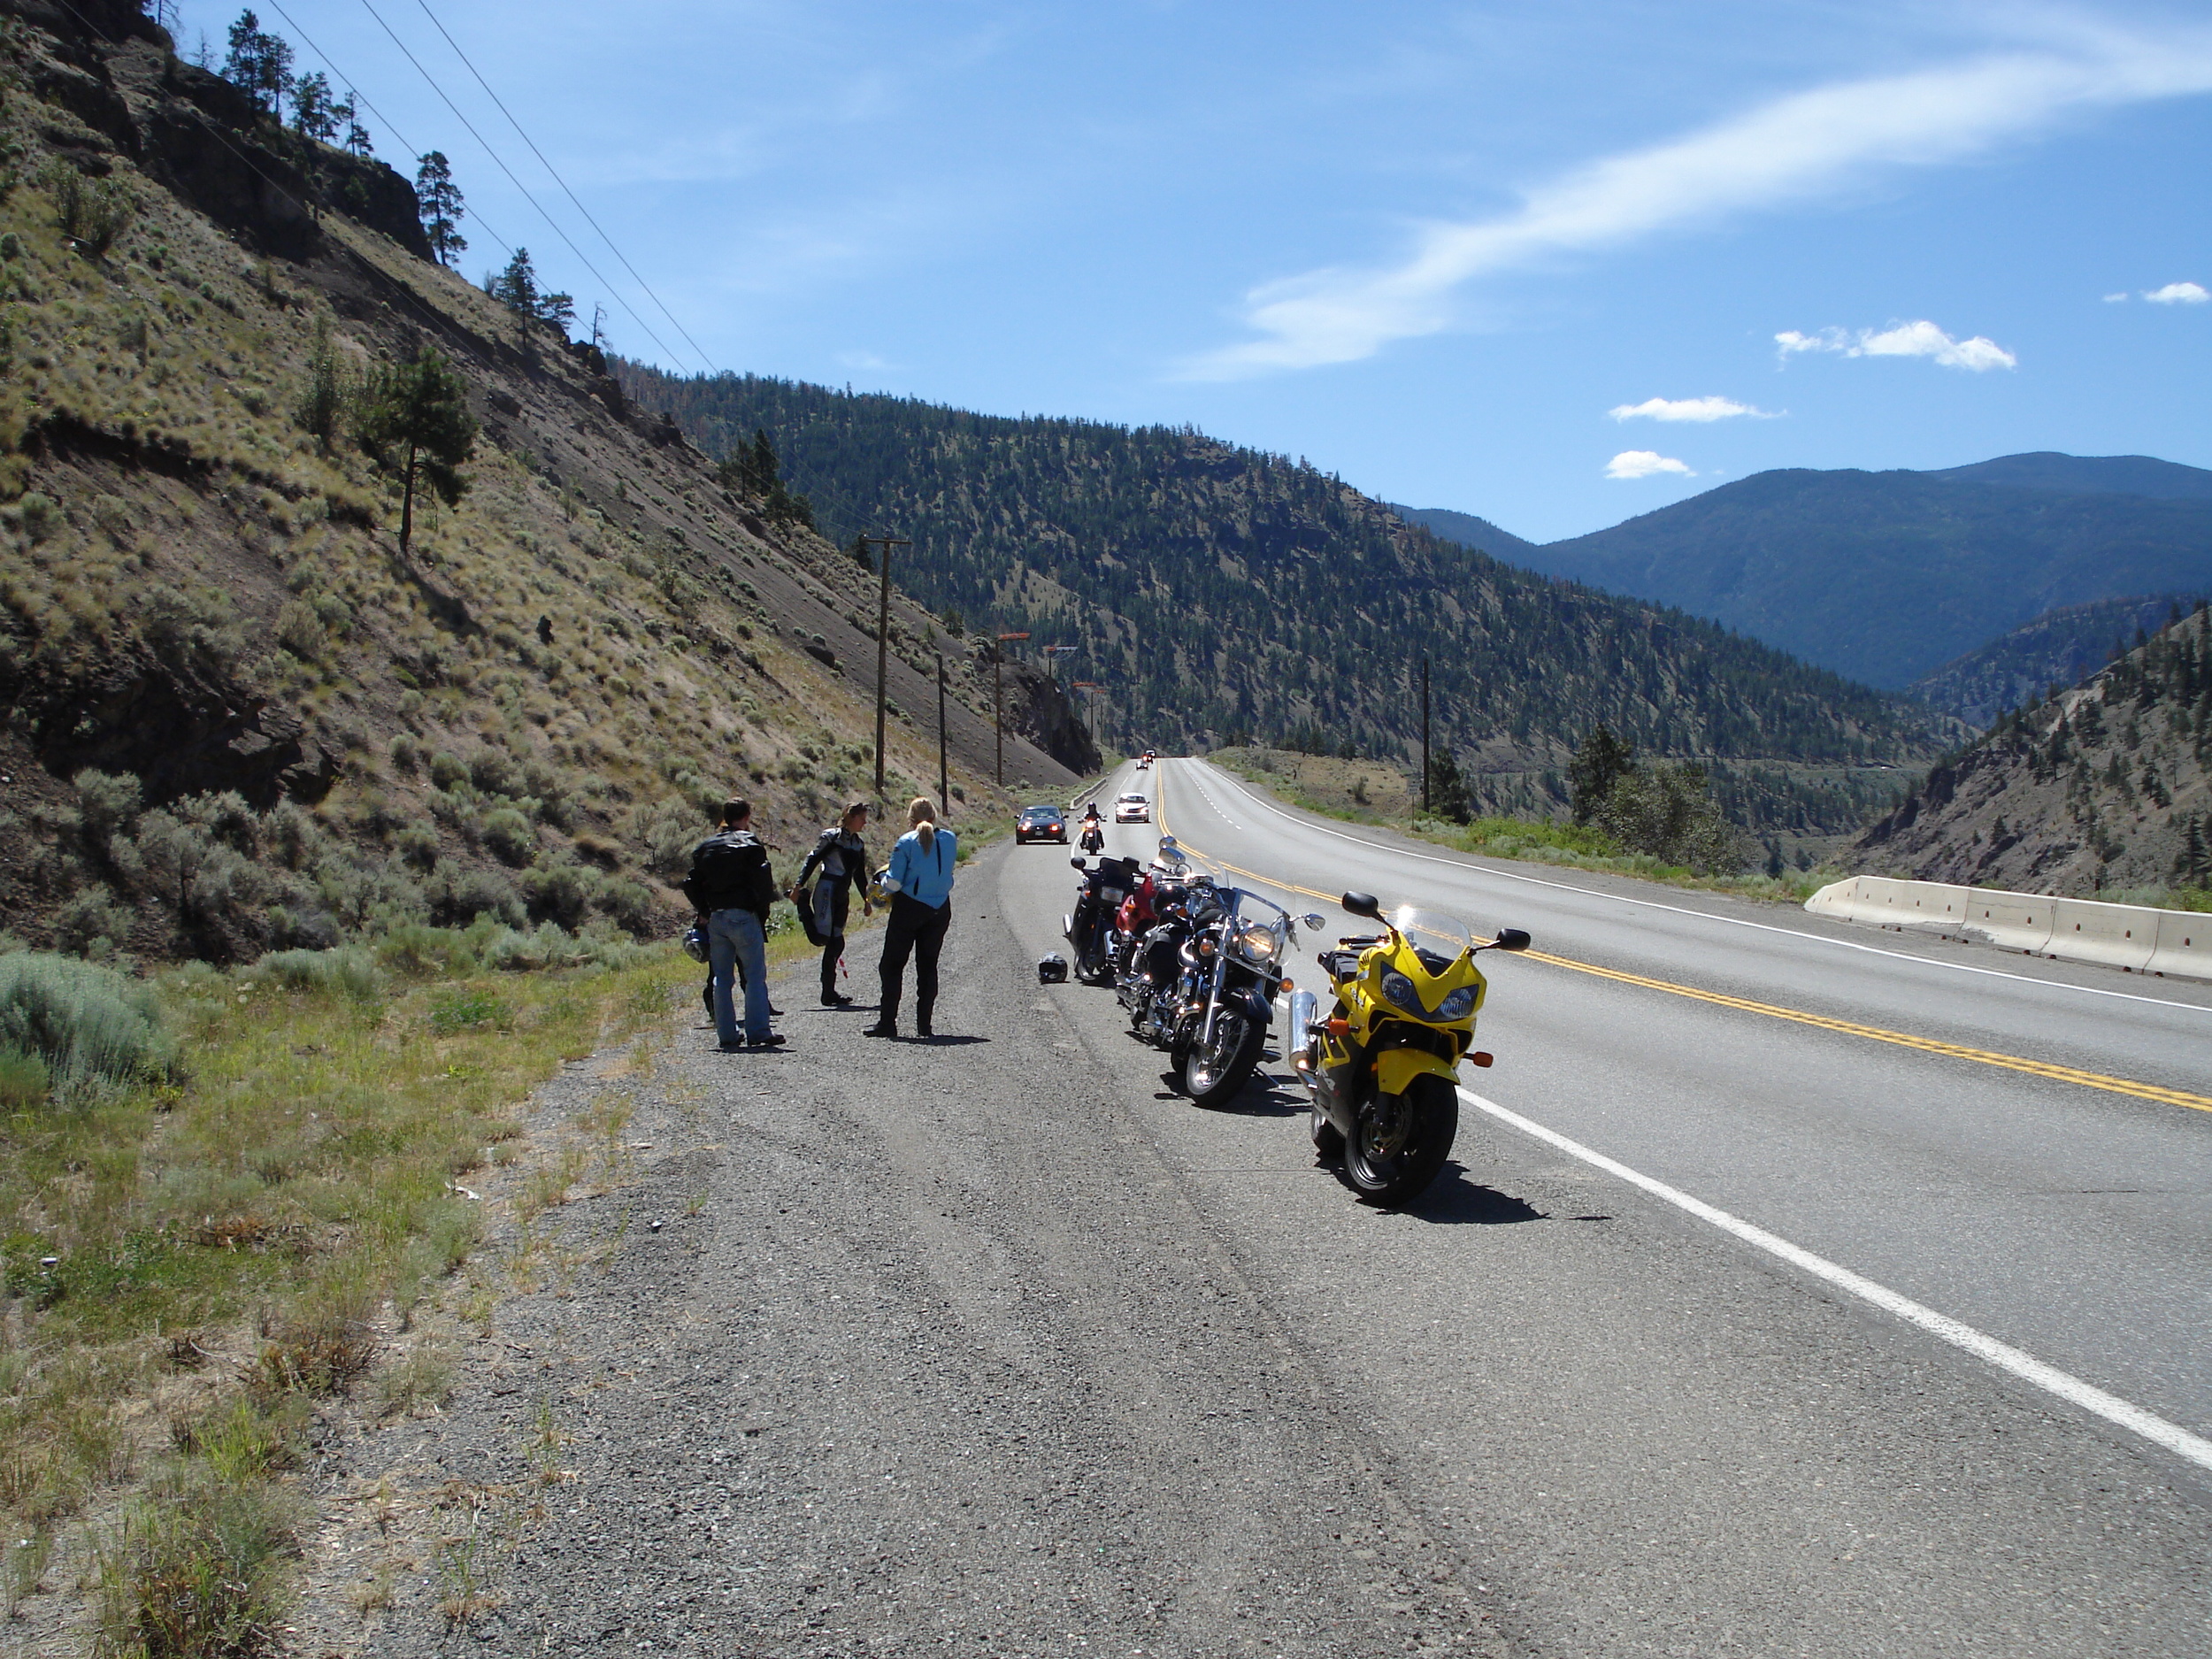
(916, 930)
(841, 907)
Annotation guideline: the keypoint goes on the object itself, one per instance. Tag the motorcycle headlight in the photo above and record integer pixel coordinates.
(1458, 1005)
(1258, 943)
(1402, 996)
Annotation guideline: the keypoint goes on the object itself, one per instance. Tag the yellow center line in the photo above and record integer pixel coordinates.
(1849, 1028)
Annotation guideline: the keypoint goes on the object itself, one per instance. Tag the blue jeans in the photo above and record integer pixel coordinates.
(735, 936)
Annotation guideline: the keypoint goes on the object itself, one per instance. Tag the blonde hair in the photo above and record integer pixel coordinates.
(923, 817)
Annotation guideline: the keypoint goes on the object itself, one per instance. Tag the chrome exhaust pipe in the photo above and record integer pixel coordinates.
(1302, 1005)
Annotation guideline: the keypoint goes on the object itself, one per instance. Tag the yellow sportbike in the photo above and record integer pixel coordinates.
(1382, 1067)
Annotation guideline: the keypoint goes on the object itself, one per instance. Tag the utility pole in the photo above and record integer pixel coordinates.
(883, 640)
(944, 790)
(1424, 736)
(1090, 704)
(1051, 651)
(998, 708)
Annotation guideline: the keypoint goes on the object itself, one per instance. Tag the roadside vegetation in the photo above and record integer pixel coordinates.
(223, 1194)
(1379, 793)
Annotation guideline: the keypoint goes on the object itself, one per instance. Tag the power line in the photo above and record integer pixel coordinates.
(581, 208)
(389, 125)
(517, 183)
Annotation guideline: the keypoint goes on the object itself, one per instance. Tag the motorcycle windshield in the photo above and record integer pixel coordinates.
(1440, 940)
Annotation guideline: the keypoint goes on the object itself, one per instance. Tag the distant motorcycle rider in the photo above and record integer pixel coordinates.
(1094, 836)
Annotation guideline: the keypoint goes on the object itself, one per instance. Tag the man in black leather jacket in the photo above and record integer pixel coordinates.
(732, 889)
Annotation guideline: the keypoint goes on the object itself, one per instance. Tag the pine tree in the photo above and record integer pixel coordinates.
(517, 288)
(1602, 761)
(356, 136)
(438, 200)
(422, 409)
(1447, 788)
(314, 114)
(259, 63)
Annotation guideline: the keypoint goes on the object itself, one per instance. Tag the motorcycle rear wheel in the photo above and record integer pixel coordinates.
(1214, 1073)
(1400, 1141)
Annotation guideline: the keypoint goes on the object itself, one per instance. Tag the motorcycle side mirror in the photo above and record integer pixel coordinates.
(1510, 939)
(1077, 863)
(1313, 921)
(1363, 904)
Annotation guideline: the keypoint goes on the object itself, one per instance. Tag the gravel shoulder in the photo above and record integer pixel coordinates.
(994, 1346)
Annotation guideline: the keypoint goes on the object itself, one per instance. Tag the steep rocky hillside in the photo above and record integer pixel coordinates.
(1220, 594)
(2104, 788)
(233, 714)
(2060, 647)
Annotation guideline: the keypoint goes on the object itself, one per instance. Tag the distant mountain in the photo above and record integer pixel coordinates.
(2088, 475)
(2103, 788)
(1469, 531)
(2060, 647)
(1216, 595)
(1886, 576)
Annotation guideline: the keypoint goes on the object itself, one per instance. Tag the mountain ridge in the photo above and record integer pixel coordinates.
(1219, 593)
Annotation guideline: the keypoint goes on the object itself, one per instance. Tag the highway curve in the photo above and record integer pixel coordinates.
(997, 1347)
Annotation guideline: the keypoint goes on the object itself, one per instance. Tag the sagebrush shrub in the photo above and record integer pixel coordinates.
(88, 1024)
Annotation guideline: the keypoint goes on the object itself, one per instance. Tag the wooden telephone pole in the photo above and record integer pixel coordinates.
(883, 639)
(1424, 736)
(1090, 704)
(998, 708)
(944, 791)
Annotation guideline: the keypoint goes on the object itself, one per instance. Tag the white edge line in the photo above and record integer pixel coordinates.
(2069, 1388)
(1684, 909)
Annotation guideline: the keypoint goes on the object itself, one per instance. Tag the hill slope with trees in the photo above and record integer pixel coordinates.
(1220, 593)
(339, 595)
(2106, 787)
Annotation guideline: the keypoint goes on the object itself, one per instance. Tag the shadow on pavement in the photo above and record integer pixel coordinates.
(1454, 1200)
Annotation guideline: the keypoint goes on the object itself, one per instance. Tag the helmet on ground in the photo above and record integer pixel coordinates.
(1052, 969)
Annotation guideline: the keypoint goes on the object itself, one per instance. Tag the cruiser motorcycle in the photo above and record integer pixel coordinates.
(1213, 1017)
(1090, 928)
(1382, 1069)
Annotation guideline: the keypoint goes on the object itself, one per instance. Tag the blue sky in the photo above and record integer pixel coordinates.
(1554, 264)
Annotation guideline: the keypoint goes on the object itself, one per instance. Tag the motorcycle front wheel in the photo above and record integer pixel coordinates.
(1400, 1141)
(1214, 1071)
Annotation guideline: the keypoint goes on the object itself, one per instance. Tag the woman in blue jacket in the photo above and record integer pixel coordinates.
(920, 880)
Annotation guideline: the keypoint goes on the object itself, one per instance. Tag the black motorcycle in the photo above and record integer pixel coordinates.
(1216, 1022)
(1089, 929)
(1146, 973)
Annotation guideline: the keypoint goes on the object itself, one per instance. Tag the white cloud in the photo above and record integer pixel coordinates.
(1698, 409)
(2116, 299)
(1644, 464)
(2178, 294)
(1921, 338)
(1794, 147)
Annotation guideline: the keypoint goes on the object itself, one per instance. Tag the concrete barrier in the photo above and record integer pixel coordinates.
(2116, 935)
(2131, 936)
(2011, 921)
(2184, 945)
(1888, 903)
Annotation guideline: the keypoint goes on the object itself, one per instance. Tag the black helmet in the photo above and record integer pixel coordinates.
(1052, 969)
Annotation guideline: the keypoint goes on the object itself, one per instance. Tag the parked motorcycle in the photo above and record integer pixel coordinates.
(1382, 1069)
(1090, 928)
(1141, 912)
(1216, 1021)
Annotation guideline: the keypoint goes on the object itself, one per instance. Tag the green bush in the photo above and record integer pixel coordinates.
(90, 1024)
(508, 834)
(93, 925)
(463, 1010)
(350, 972)
(24, 1081)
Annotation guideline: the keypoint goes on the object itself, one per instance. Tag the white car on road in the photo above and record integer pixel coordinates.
(1132, 809)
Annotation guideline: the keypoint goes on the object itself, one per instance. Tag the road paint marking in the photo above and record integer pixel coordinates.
(2157, 1091)
(2025, 1366)
(1707, 916)
(1904, 1039)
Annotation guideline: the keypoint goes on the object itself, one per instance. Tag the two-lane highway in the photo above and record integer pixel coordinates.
(2053, 1210)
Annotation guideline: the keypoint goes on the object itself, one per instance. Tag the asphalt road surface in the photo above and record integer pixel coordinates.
(997, 1347)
